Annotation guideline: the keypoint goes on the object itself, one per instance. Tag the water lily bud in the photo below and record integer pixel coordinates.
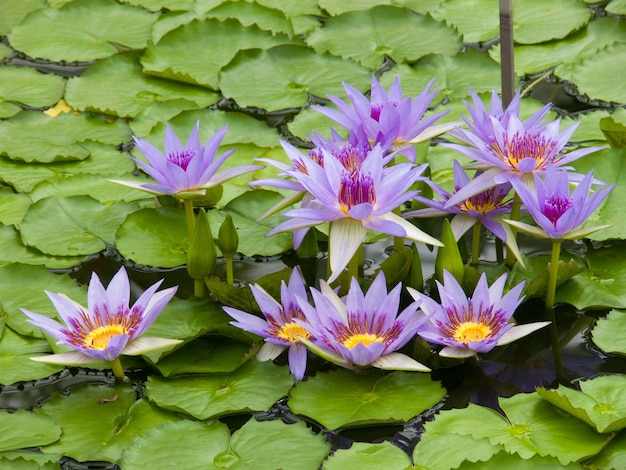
(202, 254)
(228, 239)
(448, 255)
(415, 279)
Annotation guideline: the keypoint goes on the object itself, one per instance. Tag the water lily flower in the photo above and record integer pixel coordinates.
(465, 325)
(280, 328)
(557, 212)
(364, 330)
(508, 148)
(354, 201)
(388, 118)
(109, 327)
(185, 170)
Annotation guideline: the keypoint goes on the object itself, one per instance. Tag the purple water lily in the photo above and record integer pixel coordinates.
(362, 330)
(185, 170)
(354, 200)
(486, 207)
(466, 326)
(279, 329)
(388, 118)
(508, 148)
(557, 212)
(109, 327)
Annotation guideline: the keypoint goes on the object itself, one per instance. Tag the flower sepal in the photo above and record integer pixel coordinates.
(539, 233)
(399, 361)
(326, 354)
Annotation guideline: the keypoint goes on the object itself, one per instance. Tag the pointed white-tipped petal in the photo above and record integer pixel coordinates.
(70, 358)
(583, 232)
(529, 229)
(511, 244)
(330, 356)
(269, 352)
(286, 202)
(345, 237)
(434, 131)
(460, 353)
(520, 331)
(399, 361)
(412, 231)
(146, 344)
(135, 185)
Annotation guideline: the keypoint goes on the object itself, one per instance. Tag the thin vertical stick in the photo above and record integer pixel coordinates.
(507, 72)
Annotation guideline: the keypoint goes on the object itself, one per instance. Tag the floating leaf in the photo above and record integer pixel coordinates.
(13, 13)
(209, 46)
(613, 455)
(435, 448)
(26, 430)
(285, 76)
(100, 421)
(364, 455)
(369, 36)
(363, 399)
(601, 284)
(76, 31)
(27, 86)
(98, 89)
(255, 386)
(28, 460)
(253, 13)
(599, 402)
(155, 448)
(535, 21)
(14, 206)
(483, 24)
(72, 226)
(271, 445)
(603, 333)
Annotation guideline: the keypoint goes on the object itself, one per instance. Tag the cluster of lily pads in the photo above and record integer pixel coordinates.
(397, 364)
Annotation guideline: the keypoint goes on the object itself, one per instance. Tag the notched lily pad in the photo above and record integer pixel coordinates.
(26, 86)
(367, 398)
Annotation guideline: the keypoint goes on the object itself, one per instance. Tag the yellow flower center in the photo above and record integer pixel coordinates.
(99, 338)
(291, 331)
(471, 331)
(484, 207)
(362, 338)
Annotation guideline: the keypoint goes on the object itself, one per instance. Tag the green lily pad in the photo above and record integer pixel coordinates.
(14, 206)
(273, 444)
(155, 448)
(12, 14)
(285, 76)
(450, 75)
(483, 24)
(534, 21)
(366, 398)
(615, 132)
(363, 455)
(42, 90)
(435, 450)
(22, 286)
(254, 14)
(603, 333)
(599, 402)
(369, 36)
(72, 226)
(509, 461)
(534, 427)
(76, 31)
(29, 460)
(99, 422)
(255, 386)
(36, 137)
(209, 46)
(613, 455)
(98, 89)
(335, 8)
(601, 284)
(593, 76)
(27, 430)
(12, 250)
(204, 356)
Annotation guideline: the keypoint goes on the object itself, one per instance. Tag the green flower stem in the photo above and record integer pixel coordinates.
(476, 243)
(398, 242)
(189, 215)
(353, 265)
(516, 209)
(553, 271)
(118, 370)
(198, 288)
(230, 278)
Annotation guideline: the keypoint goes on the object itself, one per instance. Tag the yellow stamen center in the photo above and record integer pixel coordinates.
(362, 338)
(99, 338)
(291, 331)
(471, 331)
(482, 207)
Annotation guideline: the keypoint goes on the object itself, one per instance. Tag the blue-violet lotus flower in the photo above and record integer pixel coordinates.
(185, 170)
(557, 212)
(388, 118)
(109, 327)
(507, 148)
(470, 325)
(279, 329)
(354, 201)
(362, 330)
